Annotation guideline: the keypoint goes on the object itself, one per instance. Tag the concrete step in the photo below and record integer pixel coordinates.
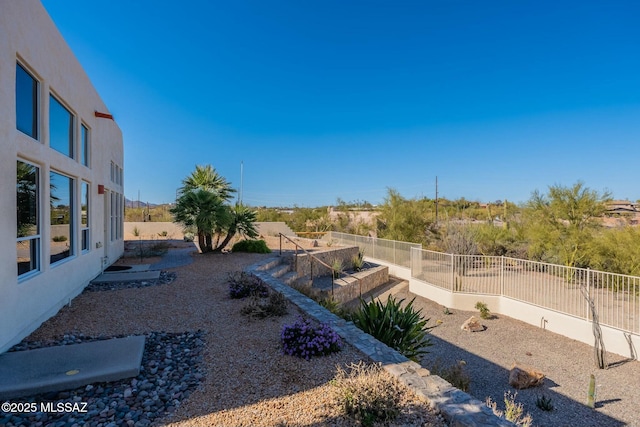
(279, 270)
(271, 264)
(289, 278)
(29, 372)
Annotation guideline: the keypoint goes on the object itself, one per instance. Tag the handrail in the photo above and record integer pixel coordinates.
(319, 260)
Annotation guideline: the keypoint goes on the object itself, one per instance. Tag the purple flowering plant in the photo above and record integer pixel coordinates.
(303, 339)
(242, 285)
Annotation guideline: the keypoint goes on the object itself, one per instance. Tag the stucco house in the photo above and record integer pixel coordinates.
(61, 170)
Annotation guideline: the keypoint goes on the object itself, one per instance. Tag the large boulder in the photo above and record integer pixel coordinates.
(522, 376)
(472, 325)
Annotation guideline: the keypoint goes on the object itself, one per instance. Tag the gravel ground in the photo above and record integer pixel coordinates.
(567, 364)
(242, 377)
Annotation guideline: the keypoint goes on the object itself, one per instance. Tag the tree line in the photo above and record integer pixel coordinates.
(563, 225)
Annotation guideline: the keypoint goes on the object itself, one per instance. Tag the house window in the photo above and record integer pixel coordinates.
(26, 102)
(62, 208)
(60, 128)
(84, 145)
(28, 213)
(84, 220)
(117, 224)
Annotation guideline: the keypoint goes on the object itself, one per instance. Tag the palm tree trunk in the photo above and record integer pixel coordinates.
(225, 242)
(201, 242)
(208, 242)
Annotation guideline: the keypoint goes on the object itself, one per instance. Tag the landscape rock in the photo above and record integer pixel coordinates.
(522, 376)
(472, 325)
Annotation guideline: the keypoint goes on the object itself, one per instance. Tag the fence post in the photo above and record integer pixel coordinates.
(452, 272)
(502, 275)
(588, 292)
(394, 252)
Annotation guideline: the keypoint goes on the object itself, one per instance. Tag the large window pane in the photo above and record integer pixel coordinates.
(60, 128)
(84, 146)
(84, 221)
(27, 209)
(62, 233)
(26, 102)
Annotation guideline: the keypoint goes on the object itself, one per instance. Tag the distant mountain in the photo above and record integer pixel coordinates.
(134, 204)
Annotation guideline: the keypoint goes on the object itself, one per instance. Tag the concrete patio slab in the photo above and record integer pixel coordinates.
(127, 277)
(128, 268)
(25, 373)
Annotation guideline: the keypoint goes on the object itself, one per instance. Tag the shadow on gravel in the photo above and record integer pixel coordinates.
(486, 375)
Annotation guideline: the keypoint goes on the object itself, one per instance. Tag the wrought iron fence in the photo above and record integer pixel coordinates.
(554, 287)
(392, 251)
(551, 286)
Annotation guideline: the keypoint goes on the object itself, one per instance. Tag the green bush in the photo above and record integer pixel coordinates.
(403, 329)
(254, 246)
(59, 238)
(485, 313)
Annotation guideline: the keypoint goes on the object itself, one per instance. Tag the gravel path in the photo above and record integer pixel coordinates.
(567, 364)
(238, 376)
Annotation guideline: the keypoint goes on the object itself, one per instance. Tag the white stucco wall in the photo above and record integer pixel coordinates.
(560, 323)
(29, 36)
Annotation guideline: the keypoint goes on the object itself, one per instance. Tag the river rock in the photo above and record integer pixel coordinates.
(472, 325)
(522, 376)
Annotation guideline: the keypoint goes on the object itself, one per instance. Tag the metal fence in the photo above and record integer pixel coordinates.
(392, 251)
(555, 287)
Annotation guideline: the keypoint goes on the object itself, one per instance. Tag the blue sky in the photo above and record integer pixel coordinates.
(322, 100)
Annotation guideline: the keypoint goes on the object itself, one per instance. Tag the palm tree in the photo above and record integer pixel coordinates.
(204, 211)
(207, 178)
(243, 220)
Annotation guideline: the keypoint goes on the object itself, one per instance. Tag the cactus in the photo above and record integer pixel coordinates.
(591, 396)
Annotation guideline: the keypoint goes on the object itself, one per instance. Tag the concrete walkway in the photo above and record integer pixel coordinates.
(29, 372)
(175, 258)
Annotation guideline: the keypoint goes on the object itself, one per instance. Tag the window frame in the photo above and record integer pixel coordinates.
(85, 229)
(72, 127)
(85, 145)
(34, 99)
(72, 226)
(34, 251)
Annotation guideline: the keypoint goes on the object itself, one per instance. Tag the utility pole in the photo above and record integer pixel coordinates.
(436, 200)
(241, 183)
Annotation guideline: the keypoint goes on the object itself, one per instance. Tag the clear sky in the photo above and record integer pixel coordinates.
(334, 98)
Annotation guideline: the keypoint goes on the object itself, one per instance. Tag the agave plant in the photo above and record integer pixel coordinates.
(401, 328)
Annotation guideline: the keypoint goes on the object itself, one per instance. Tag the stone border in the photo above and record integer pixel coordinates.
(458, 408)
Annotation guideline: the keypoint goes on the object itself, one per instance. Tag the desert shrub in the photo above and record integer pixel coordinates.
(335, 307)
(253, 246)
(513, 412)
(544, 403)
(358, 261)
(242, 285)
(368, 393)
(59, 238)
(303, 339)
(484, 310)
(336, 268)
(159, 248)
(273, 306)
(403, 329)
(455, 374)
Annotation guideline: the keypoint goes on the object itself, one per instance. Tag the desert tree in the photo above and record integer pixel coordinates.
(203, 211)
(562, 223)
